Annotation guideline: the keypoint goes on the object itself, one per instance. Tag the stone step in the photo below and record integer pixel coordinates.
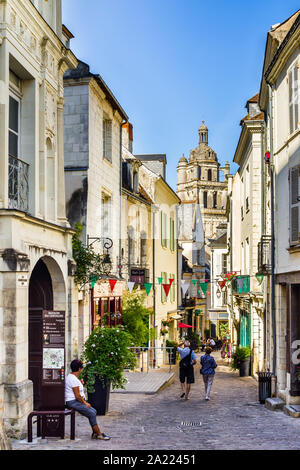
(292, 410)
(274, 404)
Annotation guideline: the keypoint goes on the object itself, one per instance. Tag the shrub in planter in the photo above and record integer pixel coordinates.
(106, 354)
(241, 359)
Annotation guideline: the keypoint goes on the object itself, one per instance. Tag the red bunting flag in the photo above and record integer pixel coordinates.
(222, 283)
(112, 283)
(167, 288)
(171, 281)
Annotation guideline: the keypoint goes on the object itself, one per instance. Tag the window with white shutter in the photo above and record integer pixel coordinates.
(294, 98)
(107, 139)
(294, 205)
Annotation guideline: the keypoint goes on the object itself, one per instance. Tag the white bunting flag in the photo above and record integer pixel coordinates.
(130, 286)
(184, 286)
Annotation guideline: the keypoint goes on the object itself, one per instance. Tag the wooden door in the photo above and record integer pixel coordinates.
(40, 298)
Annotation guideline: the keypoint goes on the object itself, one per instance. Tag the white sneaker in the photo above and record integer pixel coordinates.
(207, 398)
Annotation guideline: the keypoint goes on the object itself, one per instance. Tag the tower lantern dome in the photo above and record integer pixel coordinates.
(203, 134)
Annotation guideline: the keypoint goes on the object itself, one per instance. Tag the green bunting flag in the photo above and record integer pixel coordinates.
(148, 287)
(93, 281)
(194, 281)
(204, 286)
(160, 280)
(260, 278)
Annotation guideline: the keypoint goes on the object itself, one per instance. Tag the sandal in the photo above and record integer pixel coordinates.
(102, 437)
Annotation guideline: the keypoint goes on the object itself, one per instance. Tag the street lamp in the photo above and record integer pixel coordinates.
(218, 293)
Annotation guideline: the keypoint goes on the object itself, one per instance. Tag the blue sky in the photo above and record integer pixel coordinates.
(173, 63)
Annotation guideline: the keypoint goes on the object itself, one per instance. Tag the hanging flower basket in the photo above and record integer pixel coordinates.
(165, 322)
(164, 331)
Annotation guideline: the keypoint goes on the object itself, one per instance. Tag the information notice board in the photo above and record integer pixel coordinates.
(53, 348)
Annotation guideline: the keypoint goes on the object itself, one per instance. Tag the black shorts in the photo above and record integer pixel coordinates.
(187, 373)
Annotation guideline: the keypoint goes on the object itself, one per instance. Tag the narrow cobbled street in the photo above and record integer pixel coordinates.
(232, 420)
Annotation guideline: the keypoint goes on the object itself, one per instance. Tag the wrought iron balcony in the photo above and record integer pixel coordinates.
(18, 188)
(264, 255)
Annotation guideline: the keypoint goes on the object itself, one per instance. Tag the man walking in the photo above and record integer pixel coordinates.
(186, 368)
(209, 365)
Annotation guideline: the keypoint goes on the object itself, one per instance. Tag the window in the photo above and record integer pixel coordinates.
(294, 205)
(294, 98)
(173, 288)
(242, 197)
(107, 139)
(172, 235)
(143, 248)
(215, 202)
(199, 172)
(205, 199)
(135, 182)
(247, 188)
(131, 246)
(209, 175)
(14, 126)
(163, 225)
(106, 215)
(247, 256)
(224, 264)
(164, 281)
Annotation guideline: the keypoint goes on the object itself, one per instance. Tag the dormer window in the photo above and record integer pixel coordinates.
(135, 182)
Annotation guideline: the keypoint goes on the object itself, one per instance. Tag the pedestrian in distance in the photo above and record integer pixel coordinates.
(75, 399)
(186, 368)
(209, 365)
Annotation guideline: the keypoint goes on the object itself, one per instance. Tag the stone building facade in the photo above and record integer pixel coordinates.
(35, 236)
(279, 99)
(93, 121)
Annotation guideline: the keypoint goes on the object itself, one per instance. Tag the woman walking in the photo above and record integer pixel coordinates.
(209, 365)
(186, 368)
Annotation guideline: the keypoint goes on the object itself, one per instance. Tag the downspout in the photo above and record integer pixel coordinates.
(121, 185)
(273, 310)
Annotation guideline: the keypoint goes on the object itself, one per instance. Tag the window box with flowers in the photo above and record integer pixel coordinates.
(106, 354)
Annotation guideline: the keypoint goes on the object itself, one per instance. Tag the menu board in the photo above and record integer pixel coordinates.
(53, 347)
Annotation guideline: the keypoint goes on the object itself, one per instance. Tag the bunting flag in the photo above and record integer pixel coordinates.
(130, 286)
(222, 283)
(194, 281)
(93, 280)
(160, 279)
(112, 283)
(204, 286)
(171, 281)
(260, 278)
(184, 286)
(167, 288)
(148, 287)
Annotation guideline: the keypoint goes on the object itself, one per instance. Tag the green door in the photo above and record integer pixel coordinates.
(245, 329)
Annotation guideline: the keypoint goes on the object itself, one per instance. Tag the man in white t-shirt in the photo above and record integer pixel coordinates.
(75, 399)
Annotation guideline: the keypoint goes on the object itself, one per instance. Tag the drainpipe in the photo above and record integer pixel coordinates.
(121, 181)
(272, 233)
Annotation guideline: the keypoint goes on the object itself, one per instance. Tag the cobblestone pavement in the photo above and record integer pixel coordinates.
(233, 420)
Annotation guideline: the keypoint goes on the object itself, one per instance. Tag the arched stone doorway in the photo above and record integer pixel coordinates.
(46, 292)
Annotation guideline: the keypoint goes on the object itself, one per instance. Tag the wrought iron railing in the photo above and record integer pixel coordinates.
(18, 187)
(264, 255)
(151, 357)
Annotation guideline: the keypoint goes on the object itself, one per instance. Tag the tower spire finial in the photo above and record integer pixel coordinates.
(203, 134)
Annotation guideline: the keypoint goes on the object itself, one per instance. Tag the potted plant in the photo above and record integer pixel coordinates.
(241, 360)
(172, 353)
(106, 354)
(164, 331)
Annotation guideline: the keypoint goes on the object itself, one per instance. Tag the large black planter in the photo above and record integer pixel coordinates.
(100, 398)
(244, 367)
